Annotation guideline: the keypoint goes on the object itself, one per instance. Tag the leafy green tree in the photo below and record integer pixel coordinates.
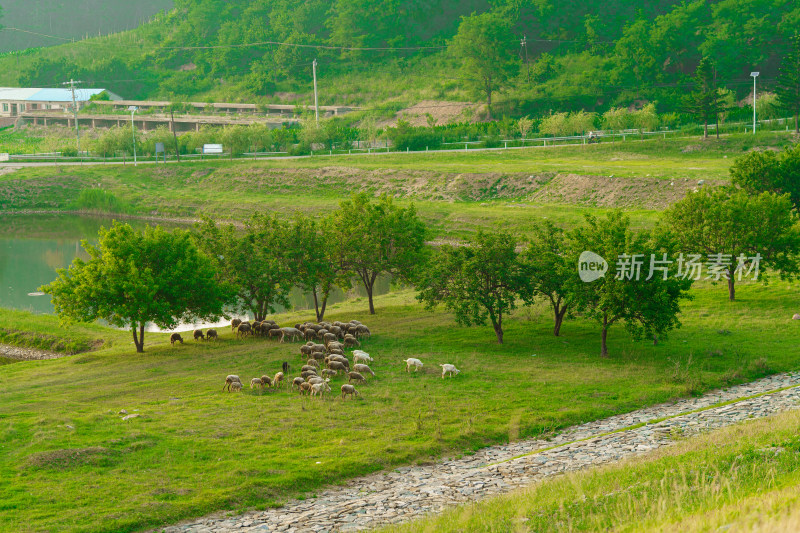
(485, 50)
(616, 119)
(479, 281)
(580, 122)
(757, 172)
(705, 102)
(788, 87)
(524, 124)
(645, 118)
(549, 265)
(556, 124)
(255, 261)
(732, 228)
(646, 305)
(374, 238)
(134, 278)
(317, 267)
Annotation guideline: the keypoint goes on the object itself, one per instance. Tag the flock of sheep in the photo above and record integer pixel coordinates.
(313, 379)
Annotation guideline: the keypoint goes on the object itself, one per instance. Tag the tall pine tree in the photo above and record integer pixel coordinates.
(705, 102)
(788, 88)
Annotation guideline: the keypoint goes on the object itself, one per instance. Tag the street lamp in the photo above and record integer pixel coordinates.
(754, 75)
(133, 110)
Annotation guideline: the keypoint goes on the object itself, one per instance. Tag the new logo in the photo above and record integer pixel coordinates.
(591, 267)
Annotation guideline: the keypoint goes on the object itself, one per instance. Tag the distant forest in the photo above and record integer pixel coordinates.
(70, 19)
(577, 54)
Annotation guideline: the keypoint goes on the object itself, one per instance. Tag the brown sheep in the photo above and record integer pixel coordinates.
(338, 351)
(335, 346)
(198, 334)
(363, 331)
(296, 382)
(305, 350)
(212, 334)
(336, 365)
(309, 334)
(175, 337)
(231, 378)
(266, 381)
(327, 372)
(305, 374)
(312, 362)
(349, 389)
(328, 338)
(349, 340)
(355, 376)
(364, 369)
(275, 332)
(309, 367)
(235, 323)
(236, 386)
(317, 347)
(277, 380)
(244, 330)
(319, 356)
(305, 388)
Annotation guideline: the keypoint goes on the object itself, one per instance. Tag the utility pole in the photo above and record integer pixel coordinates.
(175, 135)
(316, 101)
(72, 83)
(524, 44)
(754, 75)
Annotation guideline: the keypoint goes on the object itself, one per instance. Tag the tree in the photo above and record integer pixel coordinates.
(788, 87)
(484, 48)
(645, 118)
(318, 268)
(705, 102)
(733, 228)
(524, 124)
(555, 125)
(757, 172)
(580, 122)
(549, 265)
(134, 278)
(478, 281)
(647, 307)
(255, 261)
(616, 119)
(378, 238)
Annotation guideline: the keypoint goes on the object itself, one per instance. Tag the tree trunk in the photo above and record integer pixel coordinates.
(316, 306)
(324, 304)
(369, 284)
(604, 338)
(731, 289)
(489, 102)
(559, 319)
(705, 129)
(797, 122)
(138, 341)
(716, 118)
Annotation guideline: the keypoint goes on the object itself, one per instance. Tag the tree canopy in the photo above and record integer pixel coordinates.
(135, 278)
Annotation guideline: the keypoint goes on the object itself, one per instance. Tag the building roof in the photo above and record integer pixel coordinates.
(50, 95)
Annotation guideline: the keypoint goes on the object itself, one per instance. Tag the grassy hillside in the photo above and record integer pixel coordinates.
(47, 20)
(371, 52)
(741, 478)
(73, 463)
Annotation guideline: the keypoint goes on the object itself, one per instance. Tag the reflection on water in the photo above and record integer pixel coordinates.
(32, 247)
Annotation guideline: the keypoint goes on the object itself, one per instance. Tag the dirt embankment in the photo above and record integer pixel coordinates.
(585, 190)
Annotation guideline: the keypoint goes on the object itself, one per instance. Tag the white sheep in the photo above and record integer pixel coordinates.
(236, 386)
(361, 356)
(231, 378)
(449, 369)
(416, 363)
(256, 382)
(320, 389)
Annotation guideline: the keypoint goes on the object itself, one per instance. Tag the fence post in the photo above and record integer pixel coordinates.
(465, 147)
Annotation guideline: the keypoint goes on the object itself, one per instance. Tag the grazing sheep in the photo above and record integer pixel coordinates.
(266, 381)
(416, 363)
(355, 376)
(231, 378)
(292, 333)
(256, 382)
(328, 338)
(313, 362)
(309, 334)
(317, 347)
(309, 367)
(449, 369)
(305, 374)
(198, 333)
(334, 346)
(296, 382)
(329, 372)
(336, 365)
(349, 340)
(336, 351)
(336, 330)
(212, 334)
(317, 379)
(305, 350)
(277, 380)
(362, 331)
(244, 330)
(321, 333)
(305, 388)
(275, 332)
(364, 369)
(175, 337)
(349, 389)
(270, 322)
(236, 387)
(362, 356)
(320, 389)
(319, 356)
(235, 323)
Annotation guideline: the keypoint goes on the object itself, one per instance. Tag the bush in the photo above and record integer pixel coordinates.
(99, 201)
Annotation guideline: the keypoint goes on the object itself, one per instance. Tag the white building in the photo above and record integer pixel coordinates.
(15, 100)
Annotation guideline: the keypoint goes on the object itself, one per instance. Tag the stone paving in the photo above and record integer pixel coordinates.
(407, 493)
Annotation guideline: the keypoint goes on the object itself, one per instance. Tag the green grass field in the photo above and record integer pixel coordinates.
(73, 464)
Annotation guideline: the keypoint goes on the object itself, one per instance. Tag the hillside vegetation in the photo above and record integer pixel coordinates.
(579, 55)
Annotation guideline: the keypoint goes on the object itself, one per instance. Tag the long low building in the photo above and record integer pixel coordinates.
(15, 101)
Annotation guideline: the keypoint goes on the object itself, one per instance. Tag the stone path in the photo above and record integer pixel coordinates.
(407, 493)
(28, 354)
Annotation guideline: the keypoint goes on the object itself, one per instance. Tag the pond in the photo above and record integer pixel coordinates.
(33, 247)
